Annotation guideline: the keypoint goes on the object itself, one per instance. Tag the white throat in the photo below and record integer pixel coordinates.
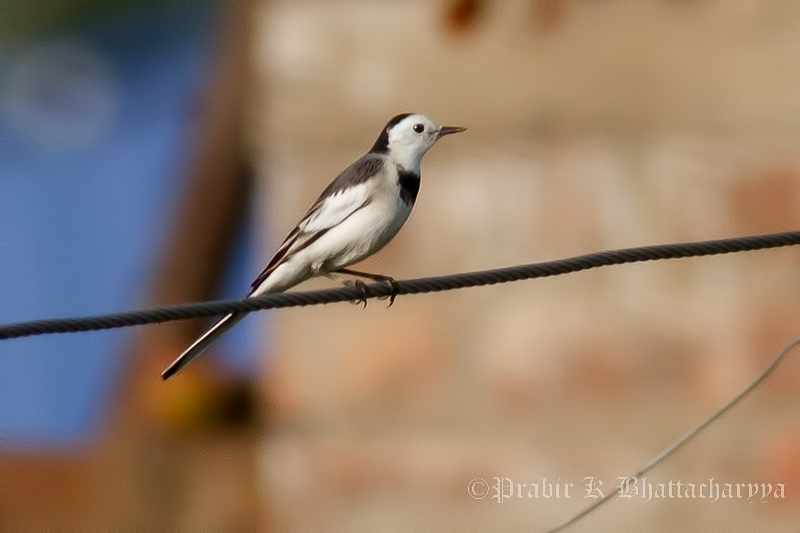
(408, 156)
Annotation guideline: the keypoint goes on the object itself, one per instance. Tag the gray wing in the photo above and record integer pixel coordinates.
(344, 196)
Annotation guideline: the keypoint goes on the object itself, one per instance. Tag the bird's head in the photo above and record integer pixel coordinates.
(408, 137)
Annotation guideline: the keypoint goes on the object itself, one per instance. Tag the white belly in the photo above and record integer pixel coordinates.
(363, 233)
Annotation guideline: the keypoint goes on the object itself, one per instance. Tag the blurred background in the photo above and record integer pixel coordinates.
(157, 152)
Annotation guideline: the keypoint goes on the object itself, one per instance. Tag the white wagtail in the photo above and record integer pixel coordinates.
(354, 217)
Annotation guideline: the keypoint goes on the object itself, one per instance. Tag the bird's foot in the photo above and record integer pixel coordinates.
(392, 289)
(362, 287)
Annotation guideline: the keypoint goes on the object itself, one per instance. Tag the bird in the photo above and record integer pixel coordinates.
(355, 216)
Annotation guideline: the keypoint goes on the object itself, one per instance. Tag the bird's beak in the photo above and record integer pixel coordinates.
(447, 130)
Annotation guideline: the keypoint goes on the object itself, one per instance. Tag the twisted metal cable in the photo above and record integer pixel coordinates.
(411, 286)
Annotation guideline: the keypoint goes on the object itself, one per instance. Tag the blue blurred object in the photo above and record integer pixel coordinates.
(96, 126)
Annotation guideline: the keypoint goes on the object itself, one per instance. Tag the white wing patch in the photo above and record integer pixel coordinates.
(334, 209)
(323, 215)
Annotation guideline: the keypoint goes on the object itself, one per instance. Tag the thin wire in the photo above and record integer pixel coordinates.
(412, 286)
(686, 438)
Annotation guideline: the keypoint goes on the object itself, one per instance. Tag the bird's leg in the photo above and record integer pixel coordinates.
(374, 277)
(358, 284)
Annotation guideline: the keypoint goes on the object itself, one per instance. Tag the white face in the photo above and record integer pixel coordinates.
(411, 138)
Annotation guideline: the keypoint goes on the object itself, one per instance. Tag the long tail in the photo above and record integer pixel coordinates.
(202, 343)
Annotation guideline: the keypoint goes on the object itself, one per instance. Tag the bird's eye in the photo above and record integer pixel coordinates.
(419, 128)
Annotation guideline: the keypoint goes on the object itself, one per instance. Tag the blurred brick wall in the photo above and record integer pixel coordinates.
(614, 124)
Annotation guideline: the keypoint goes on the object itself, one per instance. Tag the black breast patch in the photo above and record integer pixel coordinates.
(409, 185)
